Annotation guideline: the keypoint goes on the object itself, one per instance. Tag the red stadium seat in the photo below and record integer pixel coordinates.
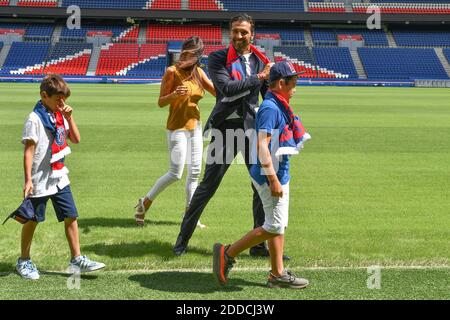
(37, 3)
(160, 33)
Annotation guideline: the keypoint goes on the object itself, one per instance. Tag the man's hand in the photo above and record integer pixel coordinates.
(264, 75)
(27, 188)
(275, 188)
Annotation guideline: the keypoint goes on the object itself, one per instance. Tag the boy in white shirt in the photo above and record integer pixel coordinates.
(44, 136)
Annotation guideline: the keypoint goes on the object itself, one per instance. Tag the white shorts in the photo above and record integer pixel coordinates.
(276, 209)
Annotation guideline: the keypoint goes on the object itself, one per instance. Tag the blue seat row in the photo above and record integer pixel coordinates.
(401, 63)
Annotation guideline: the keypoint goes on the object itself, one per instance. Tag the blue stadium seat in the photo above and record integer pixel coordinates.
(411, 37)
(63, 49)
(151, 68)
(80, 34)
(299, 53)
(401, 64)
(336, 59)
(447, 54)
(329, 36)
(264, 5)
(287, 34)
(109, 4)
(42, 32)
(23, 54)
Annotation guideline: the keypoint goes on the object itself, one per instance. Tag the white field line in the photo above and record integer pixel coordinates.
(258, 269)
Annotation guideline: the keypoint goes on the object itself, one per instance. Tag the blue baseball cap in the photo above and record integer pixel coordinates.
(23, 213)
(283, 69)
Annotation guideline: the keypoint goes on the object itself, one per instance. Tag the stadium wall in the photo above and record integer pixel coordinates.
(126, 80)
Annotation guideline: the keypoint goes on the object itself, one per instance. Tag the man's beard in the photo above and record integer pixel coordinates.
(240, 46)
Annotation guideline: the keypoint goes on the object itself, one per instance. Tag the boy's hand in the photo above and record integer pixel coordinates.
(276, 189)
(27, 188)
(66, 111)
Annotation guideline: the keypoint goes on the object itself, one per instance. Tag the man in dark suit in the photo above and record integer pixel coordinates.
(239, 74)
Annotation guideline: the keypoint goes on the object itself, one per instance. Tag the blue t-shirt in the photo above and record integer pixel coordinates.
(270, 119)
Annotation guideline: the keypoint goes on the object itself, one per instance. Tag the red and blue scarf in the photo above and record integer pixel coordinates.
(54, 123)
(234, 65)
(293, 134)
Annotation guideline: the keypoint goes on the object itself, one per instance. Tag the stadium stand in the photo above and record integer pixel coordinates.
(118, 33)
(447, 54)
(206, 5)
(336, 59)
(25, 55)
(416, 37)
(326, 6)
(414, 8)
(115, 57)
(41, 32)
(401, 63)
(287, 35)
(263, 5)
(38, 3)
(303, 60)
(107, 4)
(329, 36)
(164, 5)
(4, 3)
(161, 33)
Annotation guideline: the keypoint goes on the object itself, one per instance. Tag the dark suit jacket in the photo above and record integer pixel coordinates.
(226, 88)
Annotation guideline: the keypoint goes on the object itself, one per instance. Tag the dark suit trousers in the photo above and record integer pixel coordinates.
(214, 172)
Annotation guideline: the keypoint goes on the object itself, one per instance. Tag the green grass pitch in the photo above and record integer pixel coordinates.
(370, 188)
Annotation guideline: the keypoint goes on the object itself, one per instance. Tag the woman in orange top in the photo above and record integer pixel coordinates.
(182, 87)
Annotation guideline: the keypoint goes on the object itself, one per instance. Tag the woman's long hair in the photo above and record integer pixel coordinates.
(191, 53)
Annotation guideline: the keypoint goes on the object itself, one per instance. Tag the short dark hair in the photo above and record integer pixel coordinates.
(287, 80)
(55, 84)
(243, 17)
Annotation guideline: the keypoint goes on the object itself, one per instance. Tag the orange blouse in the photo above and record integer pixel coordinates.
(184, 112)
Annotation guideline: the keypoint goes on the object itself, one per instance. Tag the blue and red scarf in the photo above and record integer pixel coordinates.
(234, 65)
(54, 123)
(293, 134)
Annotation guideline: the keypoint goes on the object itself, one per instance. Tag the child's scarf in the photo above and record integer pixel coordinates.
(55, 125)
(293, 134)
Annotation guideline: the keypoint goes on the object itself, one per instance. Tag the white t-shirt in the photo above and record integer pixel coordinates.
(43, 184)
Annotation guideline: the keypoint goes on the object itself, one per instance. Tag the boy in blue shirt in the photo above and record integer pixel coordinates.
(279, 134)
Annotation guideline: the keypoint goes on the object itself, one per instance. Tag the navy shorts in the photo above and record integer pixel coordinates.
(62, 203)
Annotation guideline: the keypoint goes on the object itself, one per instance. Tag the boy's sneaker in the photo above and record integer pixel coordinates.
(287, 280)
(27, 269)
(82, 264)
(222, 263)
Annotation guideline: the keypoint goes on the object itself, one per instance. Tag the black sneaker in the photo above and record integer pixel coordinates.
(222, 263)
(287, 280)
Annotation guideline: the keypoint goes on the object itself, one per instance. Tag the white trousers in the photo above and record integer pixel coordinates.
(185, 147)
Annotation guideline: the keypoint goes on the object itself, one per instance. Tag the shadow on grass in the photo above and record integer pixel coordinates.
(67, 275)
(6, 269)
(139, 249)
(85, 224)
(188, 282)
